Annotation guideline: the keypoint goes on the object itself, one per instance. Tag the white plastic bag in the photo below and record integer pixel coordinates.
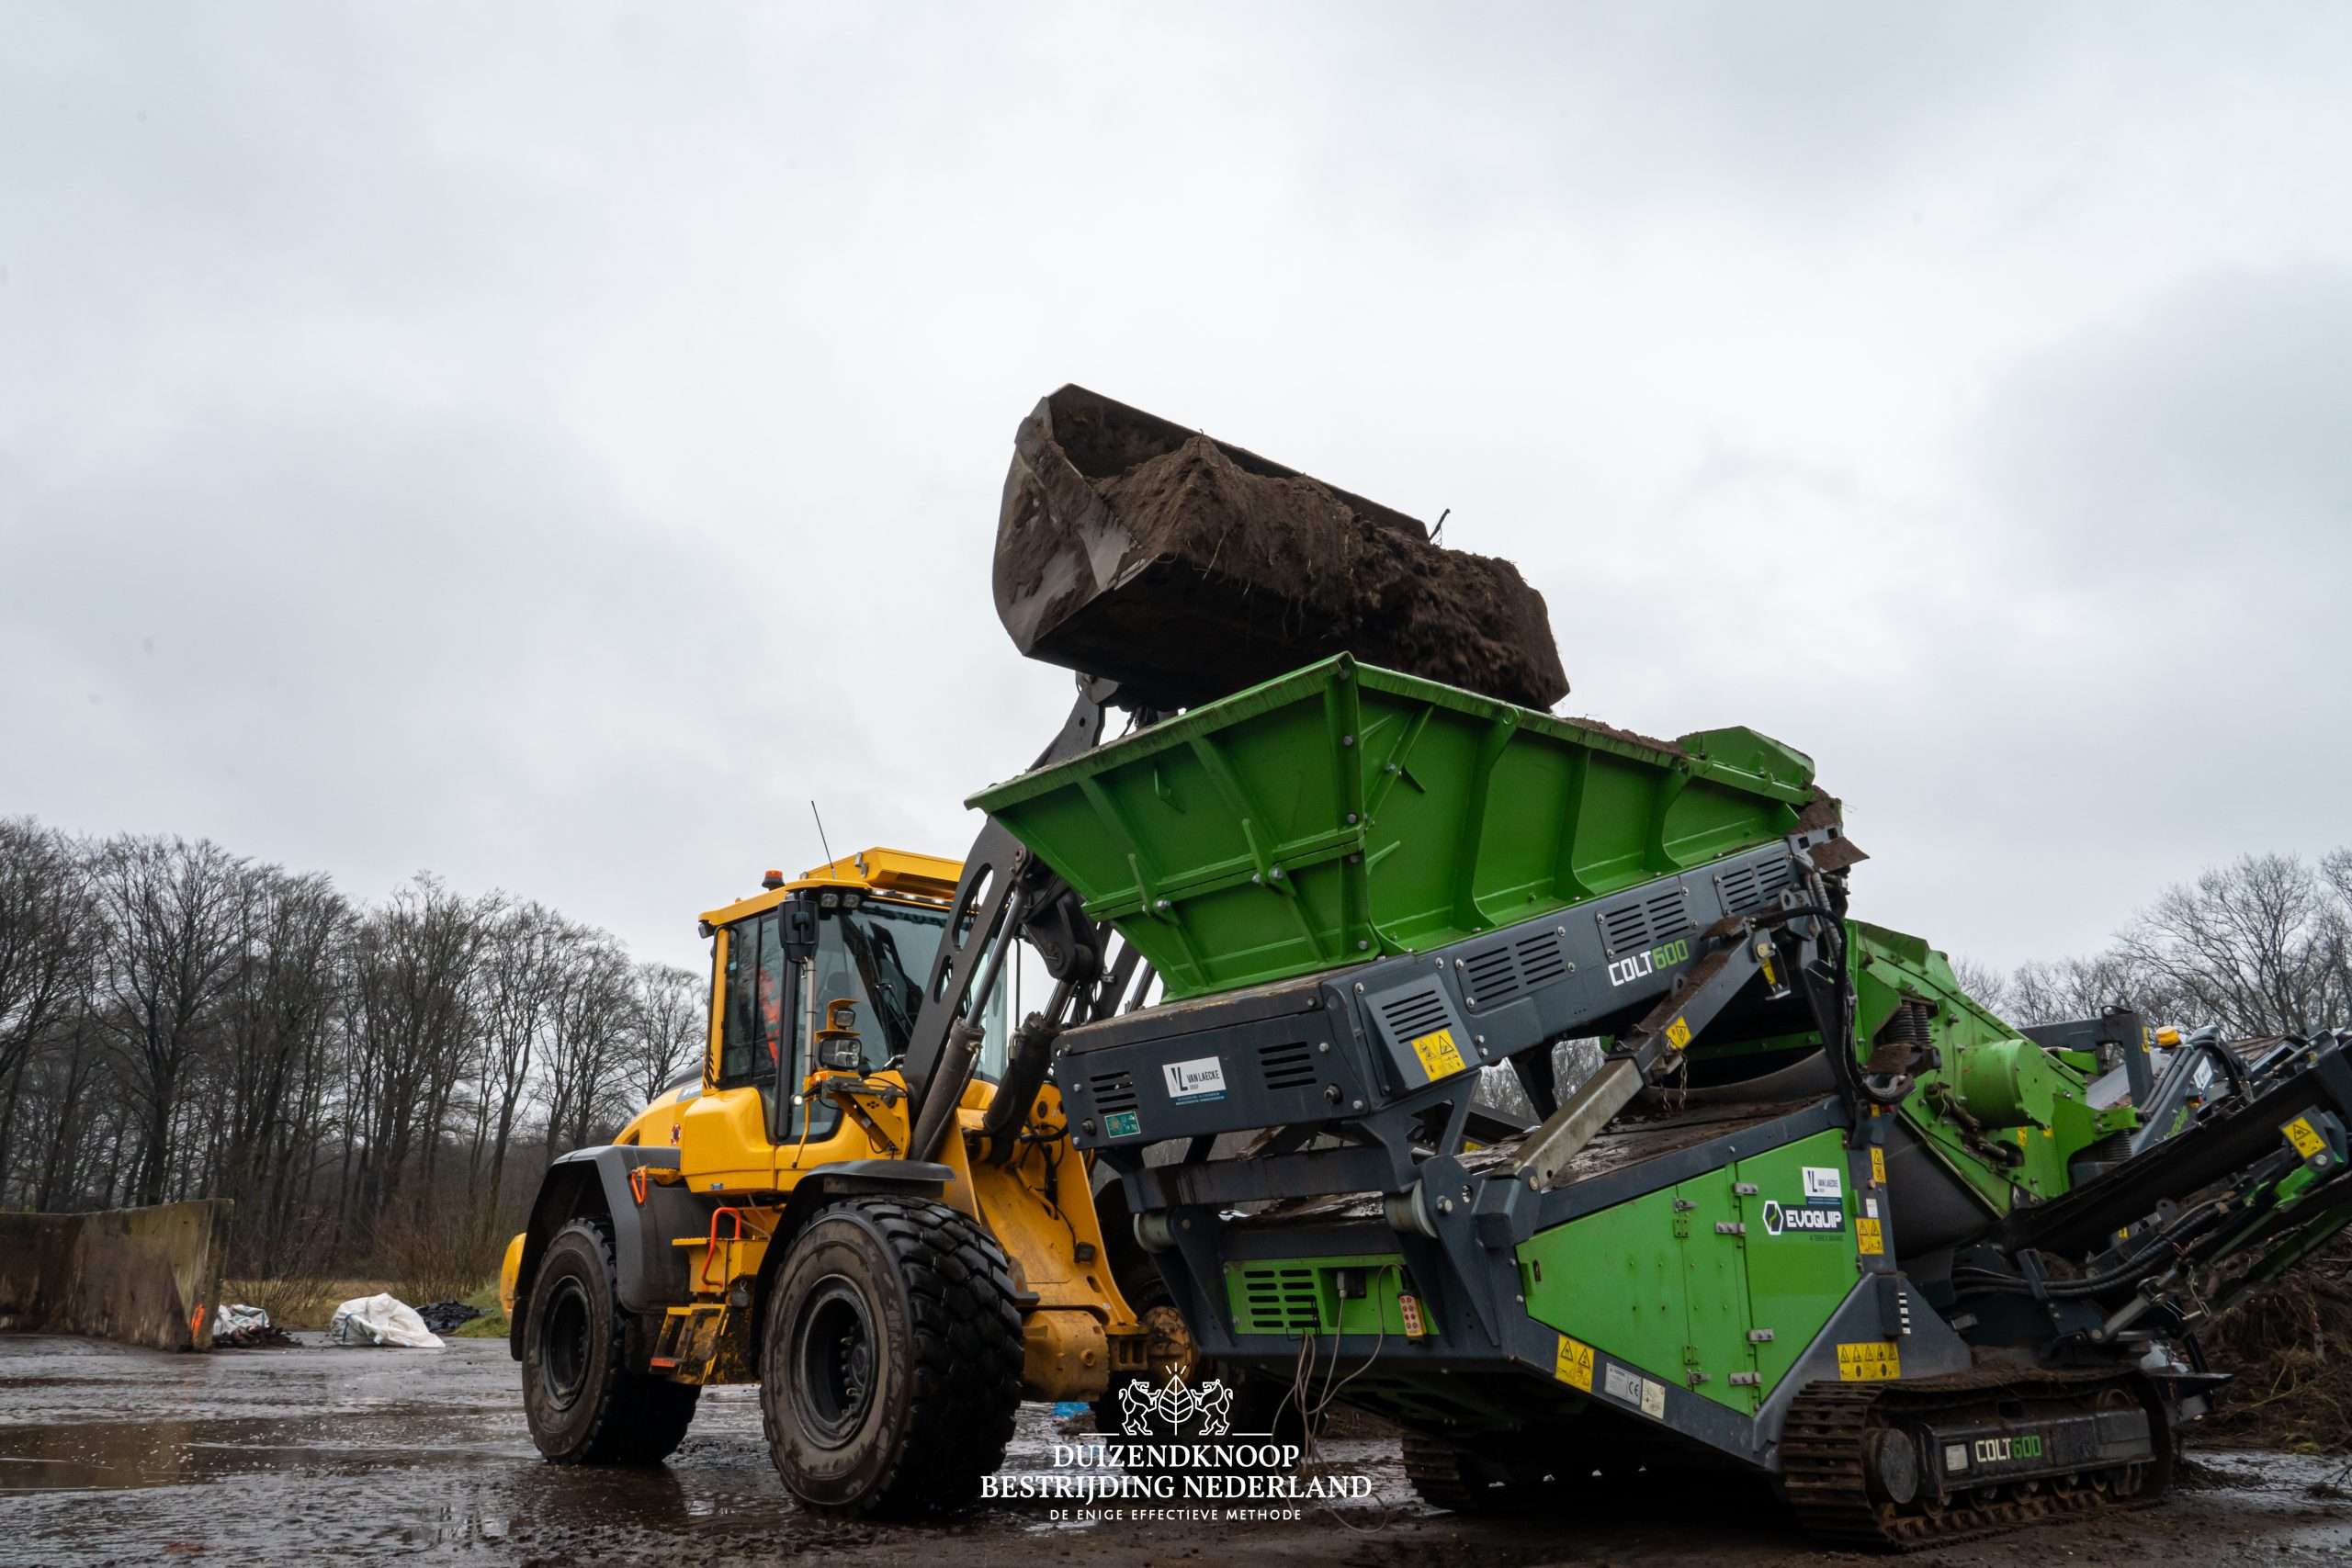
(235, 1319)
(380, 1320)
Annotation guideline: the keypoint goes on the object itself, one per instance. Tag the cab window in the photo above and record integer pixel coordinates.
(762, 1039)
(753, 1027)
(879, 955)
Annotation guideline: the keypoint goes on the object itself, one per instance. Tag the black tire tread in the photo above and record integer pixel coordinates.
(641, 1419)
(966, 1325)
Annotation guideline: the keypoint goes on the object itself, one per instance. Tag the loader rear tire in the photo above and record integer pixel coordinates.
(584, 1404)
(890, 1365)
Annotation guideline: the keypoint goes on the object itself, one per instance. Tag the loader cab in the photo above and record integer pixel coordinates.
(864, 930)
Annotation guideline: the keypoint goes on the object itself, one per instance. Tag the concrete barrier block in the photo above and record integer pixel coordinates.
(144, 1276)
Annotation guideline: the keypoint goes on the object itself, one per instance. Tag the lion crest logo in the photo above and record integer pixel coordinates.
(1176, 1403)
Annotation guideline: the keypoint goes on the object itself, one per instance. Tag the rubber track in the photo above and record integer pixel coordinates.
(967, 1354)
(1434, 1467)
(1822, 1474)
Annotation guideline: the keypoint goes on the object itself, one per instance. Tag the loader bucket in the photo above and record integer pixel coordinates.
(1344, 812)
(1188, 569)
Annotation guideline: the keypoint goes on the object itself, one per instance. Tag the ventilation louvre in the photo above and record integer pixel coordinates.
(1114, 1093)
(1491, 976)
(1277, 1300)
(1645, 922)
(1416, 1013)
(1665, 916)
(1542, 958)
(1287, 1065)
(1750, 887)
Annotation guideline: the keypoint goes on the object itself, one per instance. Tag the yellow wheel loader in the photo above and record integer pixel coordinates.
(866, 1202)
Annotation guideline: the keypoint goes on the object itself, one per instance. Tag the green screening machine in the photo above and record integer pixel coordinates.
(1794, 1205)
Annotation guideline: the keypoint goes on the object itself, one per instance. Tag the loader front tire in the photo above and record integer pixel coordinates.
(890, 1364)
(584, 1404)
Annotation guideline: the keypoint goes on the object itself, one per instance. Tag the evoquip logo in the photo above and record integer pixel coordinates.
(1176, 1457)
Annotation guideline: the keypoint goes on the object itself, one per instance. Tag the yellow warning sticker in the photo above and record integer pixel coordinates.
(1441, 1057)
(1867, 1238)
(1573, 1365)
(1878, 1167)
(1872, 1361)
(2305, 1136)
(1678, 1034)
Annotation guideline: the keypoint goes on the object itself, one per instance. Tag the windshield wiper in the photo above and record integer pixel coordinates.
(873, 947)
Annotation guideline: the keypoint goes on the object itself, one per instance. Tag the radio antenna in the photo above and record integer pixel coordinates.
(821, 832)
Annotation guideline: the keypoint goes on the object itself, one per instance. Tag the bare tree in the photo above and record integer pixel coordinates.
(46, 929)
(1987, 984)
(412, 991)
(669, 1025)
(277, 1027)
(585, 1059)
(2257, 946)
(521, 970)
(172, 913)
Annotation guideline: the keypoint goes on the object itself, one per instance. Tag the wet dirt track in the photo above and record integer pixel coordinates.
(115, 1455)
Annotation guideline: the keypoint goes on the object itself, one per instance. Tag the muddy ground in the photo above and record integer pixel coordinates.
(115, 1455)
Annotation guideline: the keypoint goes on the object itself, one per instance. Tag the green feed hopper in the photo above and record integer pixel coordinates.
(1342, 812)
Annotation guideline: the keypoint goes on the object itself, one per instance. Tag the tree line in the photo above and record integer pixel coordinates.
(2261, 946)
(377, 1086)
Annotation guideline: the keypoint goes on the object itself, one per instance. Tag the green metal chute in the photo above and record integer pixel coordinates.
(1342, 811)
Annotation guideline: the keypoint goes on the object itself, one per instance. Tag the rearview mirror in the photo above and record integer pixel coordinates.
(798, 927)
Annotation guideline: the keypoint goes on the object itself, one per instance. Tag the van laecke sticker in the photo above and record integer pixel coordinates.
(1193, 1082)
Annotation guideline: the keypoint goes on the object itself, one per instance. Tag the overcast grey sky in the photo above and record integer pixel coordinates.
(548, 443)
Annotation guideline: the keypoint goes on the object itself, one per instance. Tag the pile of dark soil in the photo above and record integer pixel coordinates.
(447, 1317)
(2290, 1348)
(260, 1336)
(1189, 568)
